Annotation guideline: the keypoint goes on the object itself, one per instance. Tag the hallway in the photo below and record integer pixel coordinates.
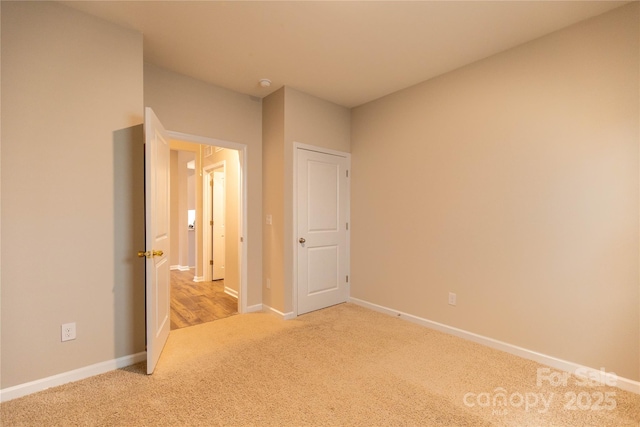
(193, 303)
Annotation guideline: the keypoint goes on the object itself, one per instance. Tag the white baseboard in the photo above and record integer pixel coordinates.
(231, 292)
(180, 267)
(198, 278)
(281, 315)
(563, 365)
(71, 376)
(257, 308)
(174, 267)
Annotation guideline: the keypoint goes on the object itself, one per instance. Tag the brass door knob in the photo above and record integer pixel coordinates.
(149, 254)
(302, 240)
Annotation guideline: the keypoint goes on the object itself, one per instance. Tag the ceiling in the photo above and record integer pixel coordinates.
(347, 52)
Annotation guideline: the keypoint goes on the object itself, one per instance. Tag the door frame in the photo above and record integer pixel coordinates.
(294, 229)
(242, 209)
(207, 197)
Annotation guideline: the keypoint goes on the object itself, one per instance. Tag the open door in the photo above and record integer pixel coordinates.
(158, 282)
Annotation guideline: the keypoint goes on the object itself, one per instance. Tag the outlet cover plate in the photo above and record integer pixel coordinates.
(68, 331)
(452, 298)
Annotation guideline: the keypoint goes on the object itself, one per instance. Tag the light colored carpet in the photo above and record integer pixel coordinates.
(342, 366)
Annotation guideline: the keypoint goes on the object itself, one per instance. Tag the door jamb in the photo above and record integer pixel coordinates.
(242, 188)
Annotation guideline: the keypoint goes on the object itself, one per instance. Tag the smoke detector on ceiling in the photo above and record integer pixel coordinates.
(265, 82)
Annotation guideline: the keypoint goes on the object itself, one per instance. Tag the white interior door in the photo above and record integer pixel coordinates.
(158, 291)
(207, 236)
(322, 222)
(218, 224)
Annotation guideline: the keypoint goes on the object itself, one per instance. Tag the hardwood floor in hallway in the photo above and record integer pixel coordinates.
(193, 303)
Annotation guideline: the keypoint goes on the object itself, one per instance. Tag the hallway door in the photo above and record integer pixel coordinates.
(218, 213)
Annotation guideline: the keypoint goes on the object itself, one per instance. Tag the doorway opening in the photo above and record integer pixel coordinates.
(207, 219)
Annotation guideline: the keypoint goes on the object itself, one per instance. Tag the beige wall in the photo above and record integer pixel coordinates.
(72, 196)
(273, 198)
(514, 185)
(314, 121)
(181, 179)
(182, 199)
(189, 106)
(179, 203)
(291, 116)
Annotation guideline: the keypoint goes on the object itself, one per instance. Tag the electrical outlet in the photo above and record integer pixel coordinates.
(268, 283)
(269, 219)
(68, 331)
(452, 298)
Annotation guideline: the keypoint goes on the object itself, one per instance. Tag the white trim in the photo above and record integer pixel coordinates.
(231, 292)
(175, 267)
(278, 313)
(563, 365)
(294, 233)
(205, 140)
(322, 150)
(71, 376)
(243, 223)
(257, 308)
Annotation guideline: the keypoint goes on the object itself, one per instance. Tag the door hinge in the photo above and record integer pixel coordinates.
(210, 262)
(211, 183)
(347, 173)
(210, 222)
(241, 239)
(347, 278)
(347, 226)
